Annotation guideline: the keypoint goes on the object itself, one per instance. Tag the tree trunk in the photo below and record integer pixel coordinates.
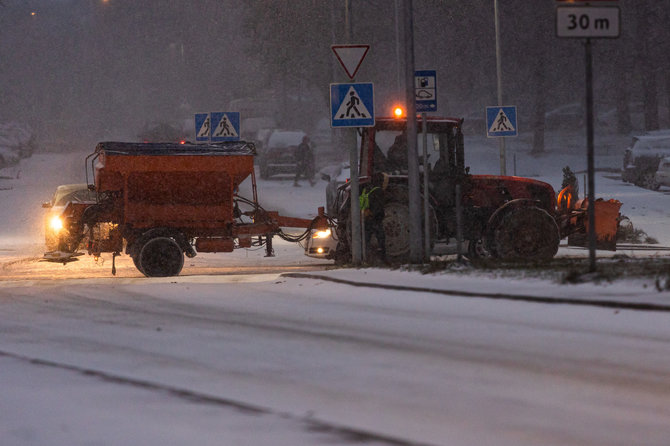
(647, 70)
(540, 107)
(624, 123)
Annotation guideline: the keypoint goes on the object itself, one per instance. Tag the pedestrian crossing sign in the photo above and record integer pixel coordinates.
(225, 126)
(202, 127)
(352, 105)
(501, 121)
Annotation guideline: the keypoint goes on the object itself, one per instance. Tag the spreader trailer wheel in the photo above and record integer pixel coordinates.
(160, 257)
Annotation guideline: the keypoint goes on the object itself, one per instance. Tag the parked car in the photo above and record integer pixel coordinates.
(663, 173)
(335, 175)
(8, 157)
(16, 142)
(162, 132)
(568, 116)
(277, 155)
(64, 194)
(642, 158)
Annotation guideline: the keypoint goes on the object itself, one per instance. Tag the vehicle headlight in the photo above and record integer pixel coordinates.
(321, 234)
(56, 224)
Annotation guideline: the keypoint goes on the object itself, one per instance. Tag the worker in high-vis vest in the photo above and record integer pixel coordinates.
(371, 203)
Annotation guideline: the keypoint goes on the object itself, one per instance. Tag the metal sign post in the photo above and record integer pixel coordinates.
(425, 98)
(590, 163)
(347, 111)
(415, 248)
(426, 192)
(503, 161)
(588, 22)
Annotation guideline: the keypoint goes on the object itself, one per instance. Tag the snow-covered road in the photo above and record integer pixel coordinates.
(221, 356)
(313, 355)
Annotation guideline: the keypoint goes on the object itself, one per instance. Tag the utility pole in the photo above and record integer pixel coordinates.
(415, 245)
(501, 140)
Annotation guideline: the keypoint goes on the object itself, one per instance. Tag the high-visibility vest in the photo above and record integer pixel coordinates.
(364, 199)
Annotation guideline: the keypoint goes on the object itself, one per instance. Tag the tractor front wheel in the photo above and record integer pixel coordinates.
(526, 233)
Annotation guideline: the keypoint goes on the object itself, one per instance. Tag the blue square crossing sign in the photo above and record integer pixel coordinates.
(202, 127)
(225, 126)
(352, 105)
(501, 121)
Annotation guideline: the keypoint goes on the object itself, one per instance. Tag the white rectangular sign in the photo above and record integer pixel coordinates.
(587, 21)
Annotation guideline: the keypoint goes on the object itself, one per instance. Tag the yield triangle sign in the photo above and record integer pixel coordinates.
(350, 57)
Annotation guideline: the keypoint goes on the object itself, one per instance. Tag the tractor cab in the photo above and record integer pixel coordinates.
(384, 147)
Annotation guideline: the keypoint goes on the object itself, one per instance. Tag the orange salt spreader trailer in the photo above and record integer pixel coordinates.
(162, 201)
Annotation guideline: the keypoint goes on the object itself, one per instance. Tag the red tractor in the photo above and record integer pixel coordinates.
(503, 217)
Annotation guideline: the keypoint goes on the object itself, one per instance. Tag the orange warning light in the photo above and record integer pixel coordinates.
(398, 112)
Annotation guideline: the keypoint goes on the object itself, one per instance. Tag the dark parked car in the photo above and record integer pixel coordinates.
(642, 158)
(278, 153)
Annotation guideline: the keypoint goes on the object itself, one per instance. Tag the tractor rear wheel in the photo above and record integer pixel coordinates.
(160, 257)
(526, 233)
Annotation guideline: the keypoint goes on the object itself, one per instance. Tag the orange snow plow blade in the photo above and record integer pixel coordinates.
(606, 222)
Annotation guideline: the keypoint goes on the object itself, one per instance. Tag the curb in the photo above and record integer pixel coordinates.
(497, 296)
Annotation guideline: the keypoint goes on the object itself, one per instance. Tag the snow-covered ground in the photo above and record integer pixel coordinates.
(265, 359)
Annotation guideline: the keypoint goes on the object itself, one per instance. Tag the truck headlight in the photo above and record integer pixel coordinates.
(56, 224)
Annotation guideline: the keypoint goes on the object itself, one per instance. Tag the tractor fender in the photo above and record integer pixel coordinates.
(133, 249)
(497, 216)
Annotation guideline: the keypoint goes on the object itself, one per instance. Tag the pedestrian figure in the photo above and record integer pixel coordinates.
(351, 105)
(304, 162)
(501, 123)
(371, 203)
(225, 131)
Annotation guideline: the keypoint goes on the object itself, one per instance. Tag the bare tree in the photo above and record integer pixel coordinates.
(645, 39)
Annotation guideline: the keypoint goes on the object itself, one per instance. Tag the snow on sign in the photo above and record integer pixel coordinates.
(352, 105)
(202, 127)
(225, 126)
(501, 121)
(350, 57)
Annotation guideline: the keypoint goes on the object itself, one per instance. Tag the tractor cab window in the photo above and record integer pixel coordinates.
(391, 149)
